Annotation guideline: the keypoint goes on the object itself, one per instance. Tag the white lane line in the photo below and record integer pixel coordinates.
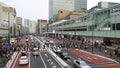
(35, 56)
(16, 60)
(29, 59)
(42, 60)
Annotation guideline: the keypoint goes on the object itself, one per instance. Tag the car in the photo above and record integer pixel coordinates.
(35, 51)
(80, 64)
(12, 40)
(65, 55)
(23, 59)
(56, 49)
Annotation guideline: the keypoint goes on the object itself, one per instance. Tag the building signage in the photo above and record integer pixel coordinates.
(4, 24)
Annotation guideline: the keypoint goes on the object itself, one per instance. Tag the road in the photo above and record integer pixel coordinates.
(91, 59)
(44, 60)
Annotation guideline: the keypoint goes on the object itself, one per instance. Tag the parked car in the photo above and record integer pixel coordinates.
(81, 64)
(65, 55)
(23, 59)
(35, 51)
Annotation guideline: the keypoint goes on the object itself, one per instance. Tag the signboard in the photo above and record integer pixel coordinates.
(7, 9)
(43, 21)
(4, 24)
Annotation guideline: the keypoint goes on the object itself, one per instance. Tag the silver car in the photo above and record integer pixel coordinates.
(81, 64)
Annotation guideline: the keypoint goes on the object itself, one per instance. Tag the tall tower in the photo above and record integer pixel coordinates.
(80, 5)
(71, 5)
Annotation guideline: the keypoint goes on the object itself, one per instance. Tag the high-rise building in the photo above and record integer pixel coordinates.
(71, 5)
(7, 20)
(104, 4)
(80, 5)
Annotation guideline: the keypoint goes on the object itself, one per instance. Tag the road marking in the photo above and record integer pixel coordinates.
(46, 55)
(69, 60)
(89, 58)
(42, 60)
(35, 56)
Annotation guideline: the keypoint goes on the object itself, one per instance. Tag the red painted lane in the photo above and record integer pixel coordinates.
(16, 64)
(91, 58)
(111, 66)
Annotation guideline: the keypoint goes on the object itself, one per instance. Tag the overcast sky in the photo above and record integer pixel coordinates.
(31, 9)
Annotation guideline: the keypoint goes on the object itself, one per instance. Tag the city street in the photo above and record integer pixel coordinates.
(93, 60)
(59, 34)
(43, 60)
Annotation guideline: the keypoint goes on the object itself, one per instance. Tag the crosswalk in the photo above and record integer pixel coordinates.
(42, 49)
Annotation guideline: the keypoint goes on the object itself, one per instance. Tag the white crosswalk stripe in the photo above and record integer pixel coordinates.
(42, 50)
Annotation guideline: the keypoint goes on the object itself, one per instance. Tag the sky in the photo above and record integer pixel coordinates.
(31, 9)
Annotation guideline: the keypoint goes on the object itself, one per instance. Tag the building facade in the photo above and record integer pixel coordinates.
(80, 5)
(7, 20)
(102, 24)
(104, 4)
(71, 5)
(30, 26)
(18, 26)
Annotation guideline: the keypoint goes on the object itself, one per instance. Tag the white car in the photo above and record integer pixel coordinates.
(81, 64)
(35, 52)
(23, 60)
(12, 40)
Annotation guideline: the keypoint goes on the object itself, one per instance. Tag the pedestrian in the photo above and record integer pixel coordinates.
(111, 54)
(105, 51)
(100, 47)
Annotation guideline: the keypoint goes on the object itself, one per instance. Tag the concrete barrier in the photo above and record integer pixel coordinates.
(58, 59)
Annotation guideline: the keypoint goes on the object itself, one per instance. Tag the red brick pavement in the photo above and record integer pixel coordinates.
(89, 57)
(111, 66)
(94, 59)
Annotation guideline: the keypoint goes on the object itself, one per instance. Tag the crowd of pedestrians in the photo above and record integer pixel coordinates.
(7, 48)
(88, 45)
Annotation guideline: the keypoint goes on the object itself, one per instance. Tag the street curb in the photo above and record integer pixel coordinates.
(10, 62)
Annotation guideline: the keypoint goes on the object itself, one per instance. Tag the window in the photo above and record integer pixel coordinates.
(61, 11)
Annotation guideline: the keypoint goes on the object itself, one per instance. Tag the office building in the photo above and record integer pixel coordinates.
(71, 5)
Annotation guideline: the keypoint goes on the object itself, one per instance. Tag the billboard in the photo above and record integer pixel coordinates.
(43, 21)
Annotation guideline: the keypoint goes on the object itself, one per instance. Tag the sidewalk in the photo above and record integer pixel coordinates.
(97, 51)
(102, 52)
(97, 61)
(10, 62)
